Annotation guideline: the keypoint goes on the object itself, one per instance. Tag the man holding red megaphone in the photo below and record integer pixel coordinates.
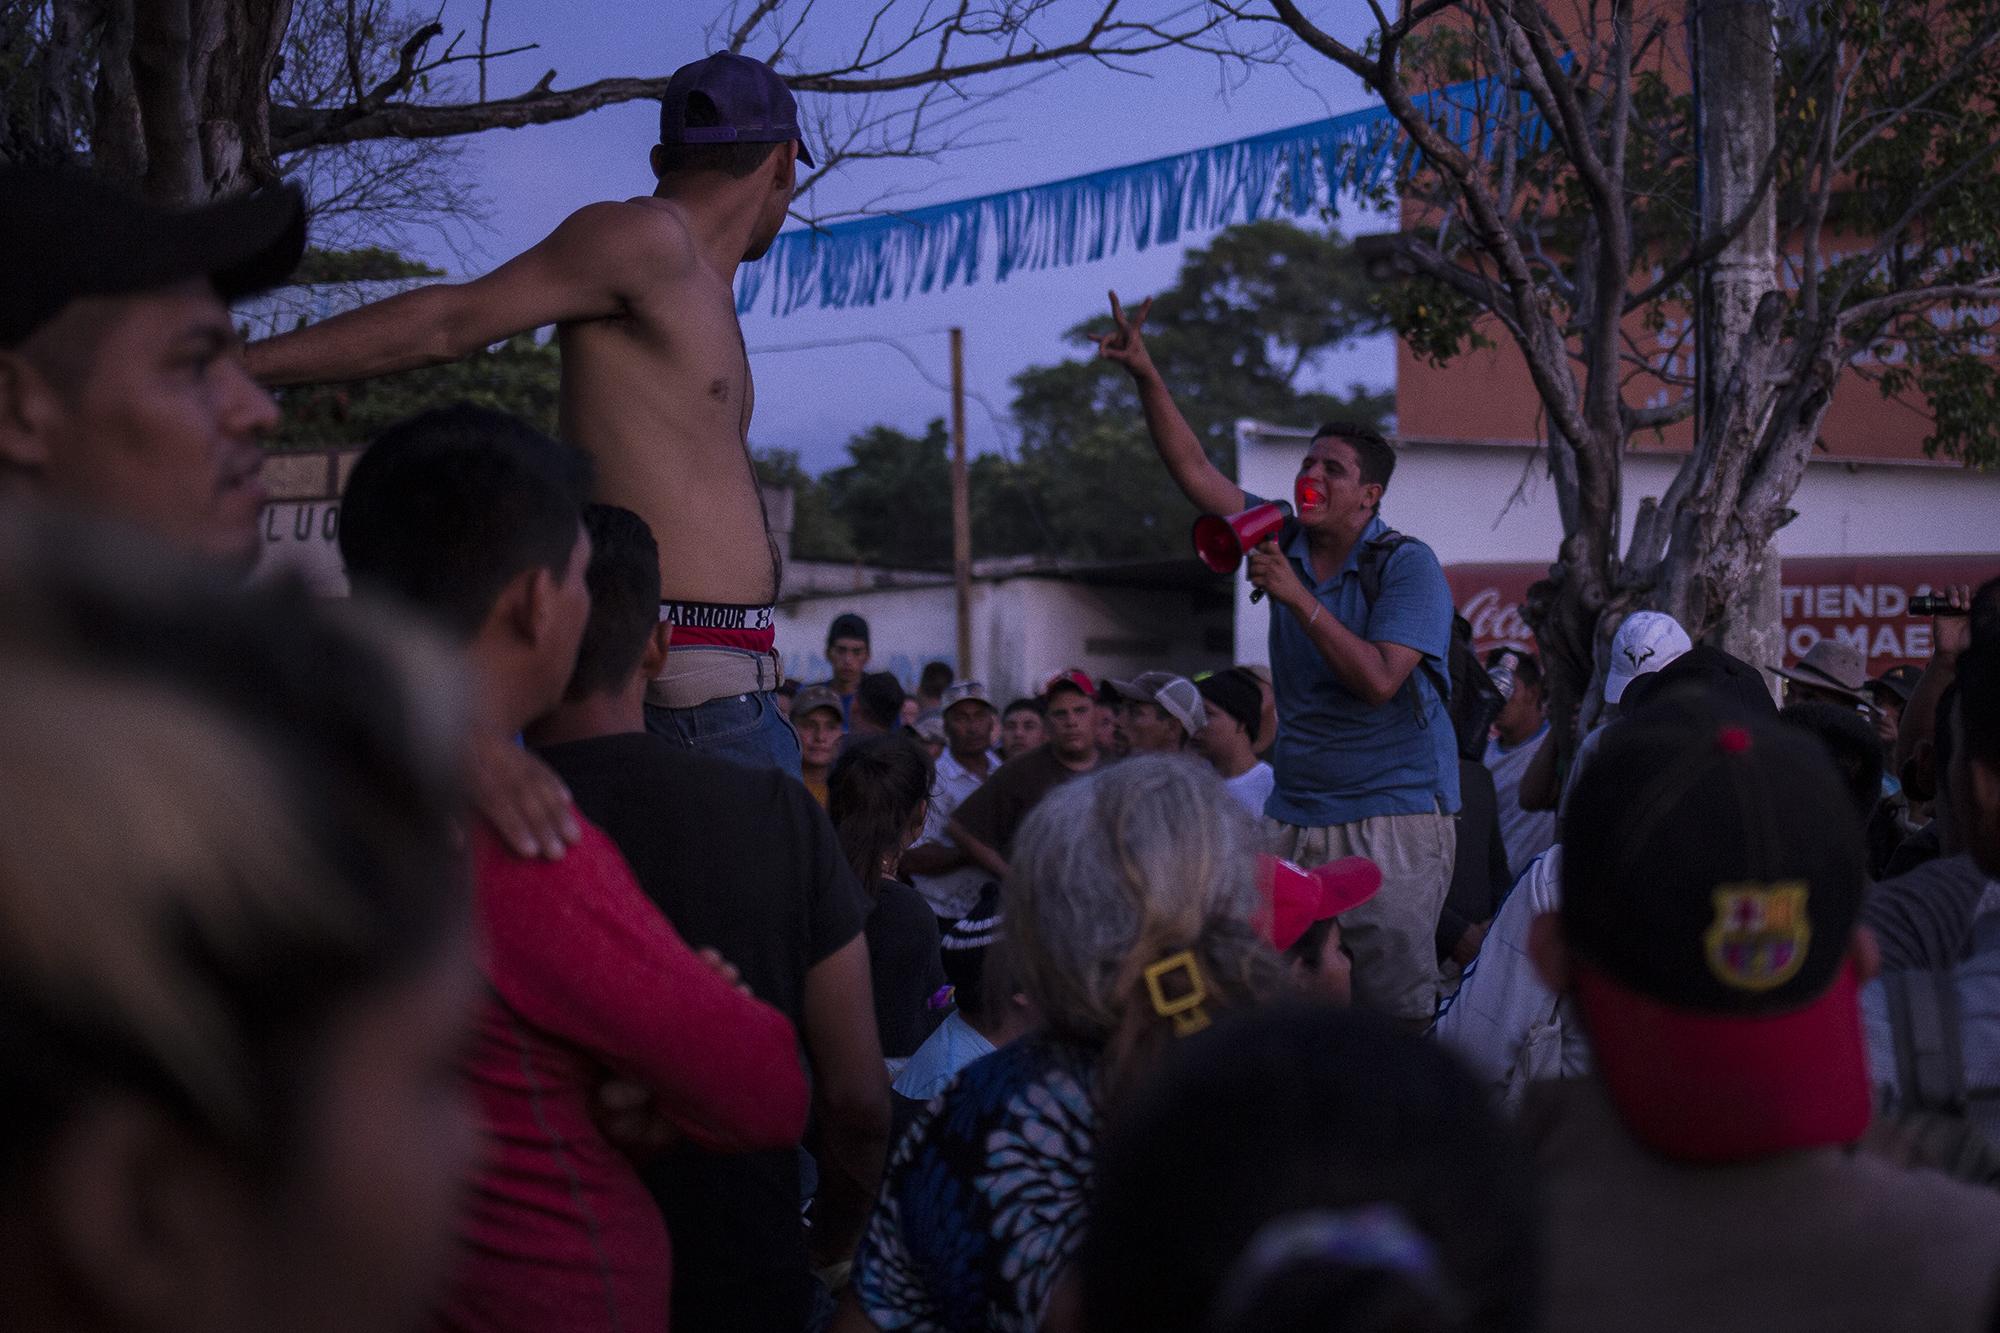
(1366, 758)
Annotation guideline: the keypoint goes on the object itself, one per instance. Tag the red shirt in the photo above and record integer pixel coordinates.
(586, 980)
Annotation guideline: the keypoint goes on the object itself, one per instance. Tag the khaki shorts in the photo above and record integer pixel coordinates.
(1392, 936)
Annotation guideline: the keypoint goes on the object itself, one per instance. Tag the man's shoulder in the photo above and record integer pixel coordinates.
(655, 755)
(642, 217)
(1921, 1205)
(1034, 767)
(1947, 874)
(1407, 557)
(654, 231)
(900, 902)
(1259, 774)
(593, 859)
(704, 785)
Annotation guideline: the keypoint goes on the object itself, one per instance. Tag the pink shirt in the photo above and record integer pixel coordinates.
(587, 980)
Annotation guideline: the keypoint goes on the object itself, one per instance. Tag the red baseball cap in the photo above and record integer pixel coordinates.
(1710, 897)
(1071, 679)
(1295, 898)
(1719, 1087)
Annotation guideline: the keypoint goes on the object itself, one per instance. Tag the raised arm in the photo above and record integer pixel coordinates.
(1180, 448)
(586, 268)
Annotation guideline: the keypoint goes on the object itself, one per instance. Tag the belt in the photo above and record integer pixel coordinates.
(691, 677)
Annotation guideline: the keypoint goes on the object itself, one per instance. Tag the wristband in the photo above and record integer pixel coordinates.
(1318, 606)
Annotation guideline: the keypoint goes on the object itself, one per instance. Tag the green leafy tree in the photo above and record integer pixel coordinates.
(818, 533)
(1248, 320)
(894, 495)
(368, 263)
(520, 376)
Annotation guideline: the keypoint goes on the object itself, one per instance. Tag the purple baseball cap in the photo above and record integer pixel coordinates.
(752, 104)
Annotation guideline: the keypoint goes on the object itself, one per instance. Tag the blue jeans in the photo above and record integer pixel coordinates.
(747, 729)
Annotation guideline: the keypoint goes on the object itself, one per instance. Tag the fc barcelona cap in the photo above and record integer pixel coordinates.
(1712, 880)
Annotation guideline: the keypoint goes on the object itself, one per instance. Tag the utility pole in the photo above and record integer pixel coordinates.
(961, 508)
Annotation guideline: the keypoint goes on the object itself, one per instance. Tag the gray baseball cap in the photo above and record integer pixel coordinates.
(815, 696)
(1176, 694)
(964, 691)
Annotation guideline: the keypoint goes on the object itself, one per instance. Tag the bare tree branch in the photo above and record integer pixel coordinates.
(1657, 418)
(1881, 307)
(1892, 235)
(1105, 37)
(1881, 122)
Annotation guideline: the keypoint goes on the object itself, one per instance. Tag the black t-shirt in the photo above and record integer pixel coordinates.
(744, 861)
(1479, 878)
(905, 966)
(994, 813)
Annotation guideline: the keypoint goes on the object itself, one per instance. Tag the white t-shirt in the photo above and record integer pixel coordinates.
(1253, 786)
(952, 894)
(1526, 833)
(1504, 1022)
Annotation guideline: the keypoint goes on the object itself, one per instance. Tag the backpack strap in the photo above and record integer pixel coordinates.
(1369, 567)
(1374, 559)
(1924, 1024)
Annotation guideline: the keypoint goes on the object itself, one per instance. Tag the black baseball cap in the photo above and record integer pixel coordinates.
(1710, 896)
(67, 235)
(752, 104)
(1237, 694)
(847, 625)
(1703, 669)
(1900, 681)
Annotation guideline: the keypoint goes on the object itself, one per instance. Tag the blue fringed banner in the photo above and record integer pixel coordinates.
(1085, 218)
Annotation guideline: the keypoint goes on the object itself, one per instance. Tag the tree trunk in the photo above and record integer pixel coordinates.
(1720, 576)
(183, 95)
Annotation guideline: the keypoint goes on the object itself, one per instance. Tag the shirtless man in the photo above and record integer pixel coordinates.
(655, 380)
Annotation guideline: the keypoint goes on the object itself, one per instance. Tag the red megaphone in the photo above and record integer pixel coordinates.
(1221, 539)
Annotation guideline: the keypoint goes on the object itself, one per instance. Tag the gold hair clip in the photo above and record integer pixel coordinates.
(1185, 1008)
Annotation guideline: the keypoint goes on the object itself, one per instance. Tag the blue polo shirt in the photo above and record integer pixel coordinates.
(1338, 758)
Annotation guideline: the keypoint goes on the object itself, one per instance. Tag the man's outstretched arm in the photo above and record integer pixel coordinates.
(584, 269)
(1180, 448)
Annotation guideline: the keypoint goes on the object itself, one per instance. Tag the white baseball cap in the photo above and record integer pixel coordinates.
(1647, 641)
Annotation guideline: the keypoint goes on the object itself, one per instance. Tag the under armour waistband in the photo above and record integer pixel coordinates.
(751, 629)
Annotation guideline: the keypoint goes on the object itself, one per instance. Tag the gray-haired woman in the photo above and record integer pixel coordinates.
(1129, 923)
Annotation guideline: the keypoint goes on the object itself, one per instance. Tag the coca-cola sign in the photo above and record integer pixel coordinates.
(1859, 600)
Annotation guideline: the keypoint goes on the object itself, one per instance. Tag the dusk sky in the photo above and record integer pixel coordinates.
(1079, 119)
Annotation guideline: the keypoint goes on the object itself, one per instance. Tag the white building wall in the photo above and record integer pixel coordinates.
(1495, 502)
(907, 627)
(1024, 630)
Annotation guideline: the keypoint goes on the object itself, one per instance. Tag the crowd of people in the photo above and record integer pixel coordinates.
(508, 947)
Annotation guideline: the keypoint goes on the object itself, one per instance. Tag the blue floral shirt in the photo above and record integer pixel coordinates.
(983, 1203)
